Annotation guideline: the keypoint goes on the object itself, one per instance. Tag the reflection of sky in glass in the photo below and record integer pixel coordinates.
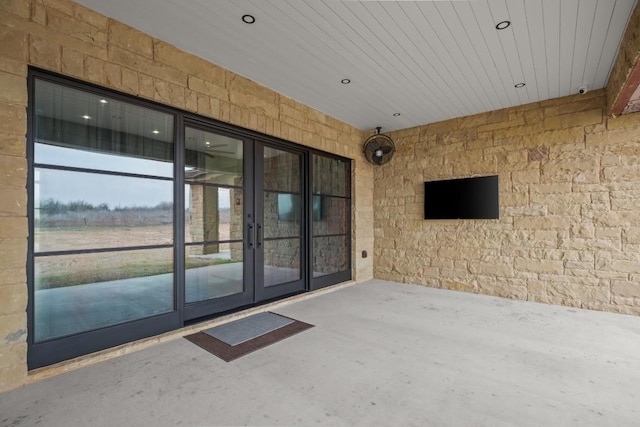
(224, 198)
(95, 189)
(62, 156)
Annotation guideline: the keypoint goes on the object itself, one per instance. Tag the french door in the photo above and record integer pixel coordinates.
(244, 228)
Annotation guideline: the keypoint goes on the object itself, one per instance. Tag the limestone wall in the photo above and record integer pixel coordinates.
(70, 39)
(569, 227)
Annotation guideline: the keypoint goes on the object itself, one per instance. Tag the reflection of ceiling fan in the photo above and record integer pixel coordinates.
(209, 146)
(197, 143)
(212, 145)
(379, 148)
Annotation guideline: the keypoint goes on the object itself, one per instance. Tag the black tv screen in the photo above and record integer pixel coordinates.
(465, 198)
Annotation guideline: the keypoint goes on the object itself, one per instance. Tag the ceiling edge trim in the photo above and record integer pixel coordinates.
(627, 91)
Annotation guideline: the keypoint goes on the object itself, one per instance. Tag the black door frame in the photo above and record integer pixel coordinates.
(210, 307)
(253, 220)
(276, 291)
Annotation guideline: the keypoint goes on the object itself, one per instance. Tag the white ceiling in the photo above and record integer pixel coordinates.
(427, 60)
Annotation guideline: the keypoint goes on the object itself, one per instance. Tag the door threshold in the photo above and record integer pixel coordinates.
(39, 374)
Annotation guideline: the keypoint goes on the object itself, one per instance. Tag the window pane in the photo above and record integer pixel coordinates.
(282, 215)
(281, 261)
(77, 210)
(330, 176)
(330, 215)
(281, 170)
(213, 274)
(330, 255)
(212, 213)
(212, 158)
(80, 129)
(78, 293)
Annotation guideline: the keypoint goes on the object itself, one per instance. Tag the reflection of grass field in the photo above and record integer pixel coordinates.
(72, 270)
(89, 268)
(71, 238)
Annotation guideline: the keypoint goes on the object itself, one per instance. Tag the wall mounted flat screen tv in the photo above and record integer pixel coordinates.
(465, 198)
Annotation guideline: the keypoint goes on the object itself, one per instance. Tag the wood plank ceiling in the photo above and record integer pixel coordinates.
(427, 60)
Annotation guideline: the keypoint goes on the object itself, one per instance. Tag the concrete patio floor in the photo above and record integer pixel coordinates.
(380, 354)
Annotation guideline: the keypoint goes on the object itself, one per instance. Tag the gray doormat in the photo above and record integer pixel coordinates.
(243, 330)
(228, 352)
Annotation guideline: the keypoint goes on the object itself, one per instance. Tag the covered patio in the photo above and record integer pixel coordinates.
(529, 318)
(381, 353)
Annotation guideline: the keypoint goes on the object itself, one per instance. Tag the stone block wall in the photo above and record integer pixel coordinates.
(569, 227)
(70, 39)
(14, 52)
(361, 216)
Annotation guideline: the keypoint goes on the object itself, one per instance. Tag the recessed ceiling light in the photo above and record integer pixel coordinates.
(503, 25)
(519, 85)
(248, 19)
(207, 142)
(103, 101)
(86, 117)
(345, 81)
(155, 131)
(396, 114)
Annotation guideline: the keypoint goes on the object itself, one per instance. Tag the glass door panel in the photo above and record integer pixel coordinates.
(280, 234)
(214, 210)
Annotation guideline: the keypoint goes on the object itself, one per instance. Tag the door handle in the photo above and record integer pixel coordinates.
(259, 235)
(250, 236)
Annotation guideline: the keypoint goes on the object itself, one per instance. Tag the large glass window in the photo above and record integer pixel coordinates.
(331, 213)
(103, 211)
